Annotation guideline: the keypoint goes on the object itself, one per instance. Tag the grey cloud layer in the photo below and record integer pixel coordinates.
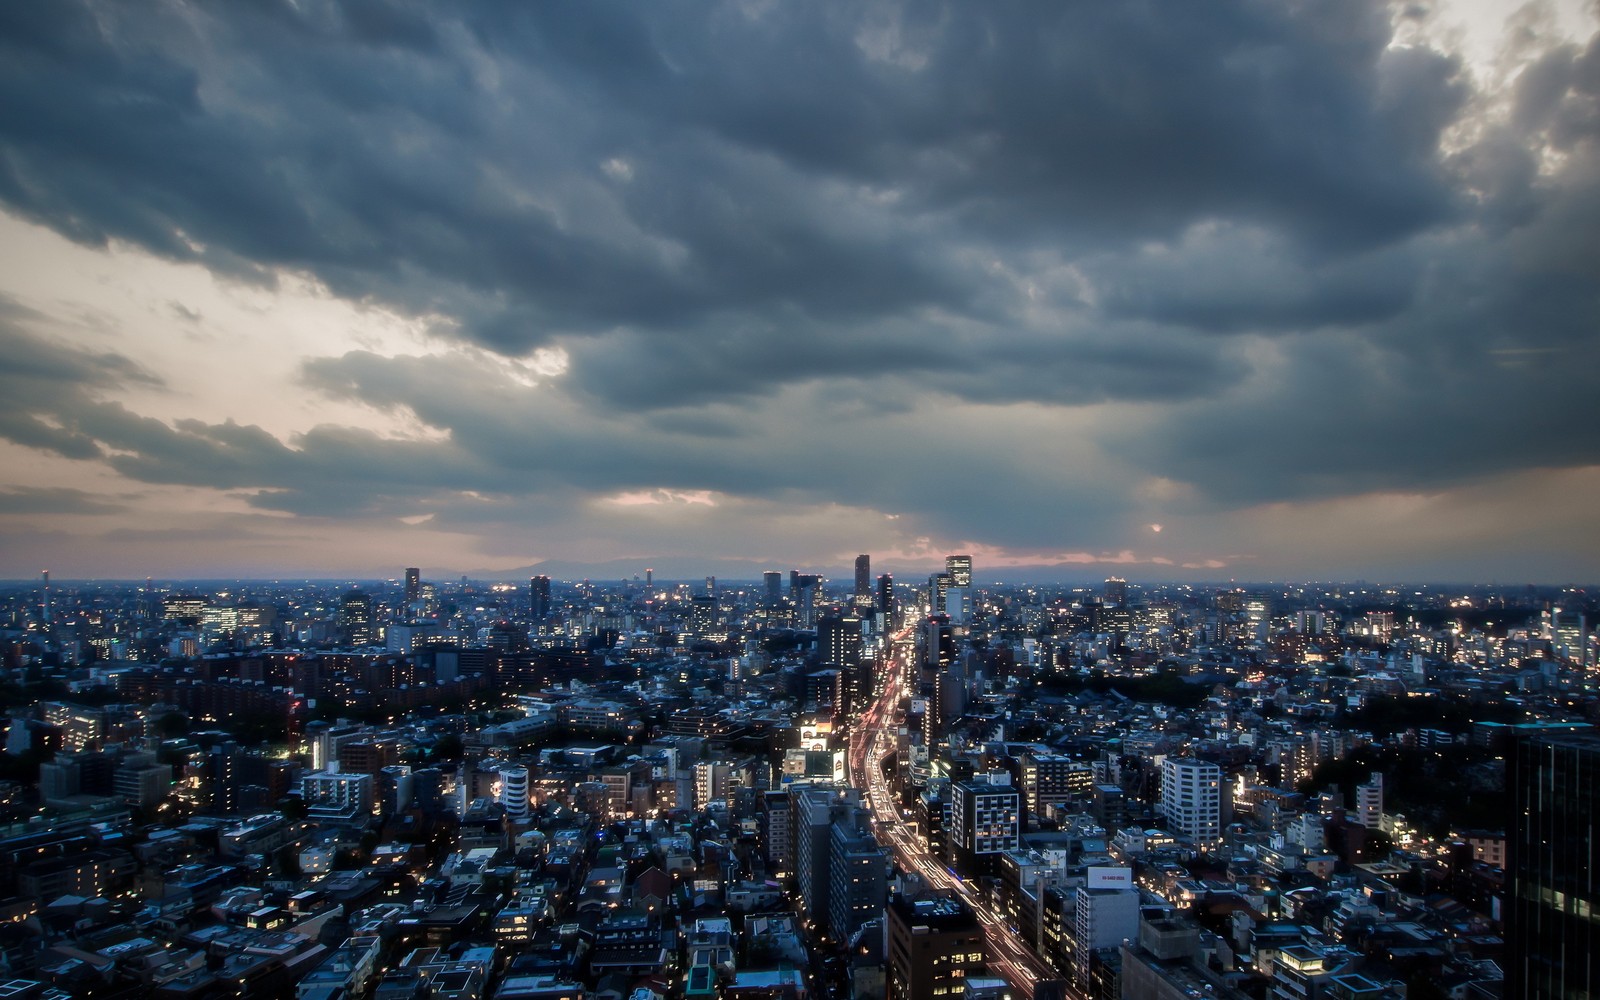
(1235, 219)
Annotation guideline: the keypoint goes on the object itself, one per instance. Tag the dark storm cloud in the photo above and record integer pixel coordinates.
(458, 169)
(46, 386)
(54, 500)
(739, 220)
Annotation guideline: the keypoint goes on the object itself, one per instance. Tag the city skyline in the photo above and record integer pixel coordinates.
(1161, 292)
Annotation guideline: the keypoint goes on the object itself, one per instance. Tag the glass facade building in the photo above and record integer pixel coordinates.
(1552, 895)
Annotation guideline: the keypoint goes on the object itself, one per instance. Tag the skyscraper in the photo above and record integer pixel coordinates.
(772, 580)
(863, 595)
(960, 570)
(886, 600)
(413, 585)
(1553, 867)
(539, 597)
(839, 641)
(958, 596)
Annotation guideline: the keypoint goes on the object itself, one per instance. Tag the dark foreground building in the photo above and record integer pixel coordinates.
(1553, 867)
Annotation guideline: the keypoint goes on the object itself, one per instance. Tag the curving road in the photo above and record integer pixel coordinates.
(872, 739)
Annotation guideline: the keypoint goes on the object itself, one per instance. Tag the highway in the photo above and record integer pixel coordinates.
(872, 740)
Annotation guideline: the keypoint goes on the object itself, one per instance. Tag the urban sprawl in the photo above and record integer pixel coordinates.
(798, 788)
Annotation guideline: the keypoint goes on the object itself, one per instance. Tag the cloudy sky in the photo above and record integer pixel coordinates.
(1244, 289)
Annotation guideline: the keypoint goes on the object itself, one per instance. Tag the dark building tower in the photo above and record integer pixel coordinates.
(886, 599)
(773, 581)
(863, 580)
(1553, 867)
(1116, 593)
(539, 597)
(413, 585)
(935, 945)
(839, 640)
(355, 618)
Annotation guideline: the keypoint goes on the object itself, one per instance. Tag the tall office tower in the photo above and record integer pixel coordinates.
(935, 946)
(539, 597)
(711, 586)
(939, 649)
(1116, 592)
(839, 641)
(957, 580)
(863, 595)
(1553, 867)
(886, 600)
(938, 593)
(413, 585)
(985, 821)
(773, 581)
(960, 570)
(1369, 802)
(649, 581)
(803, 590)
(44, 600)
(1191, 799)
(355, 618)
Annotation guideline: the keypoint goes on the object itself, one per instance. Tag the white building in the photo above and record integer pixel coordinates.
(1191, 799)
(513, 792)
(1103, 918)
(1369, 802)
(335, 796)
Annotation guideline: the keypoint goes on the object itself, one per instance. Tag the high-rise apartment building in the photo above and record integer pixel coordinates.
(1553, 867)
(1369, 802)
(513, 792)
(1191, 799)
(858, 875)
(413, 585)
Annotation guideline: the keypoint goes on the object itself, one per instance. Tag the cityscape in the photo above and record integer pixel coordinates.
(800, 500)
(797, 787)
